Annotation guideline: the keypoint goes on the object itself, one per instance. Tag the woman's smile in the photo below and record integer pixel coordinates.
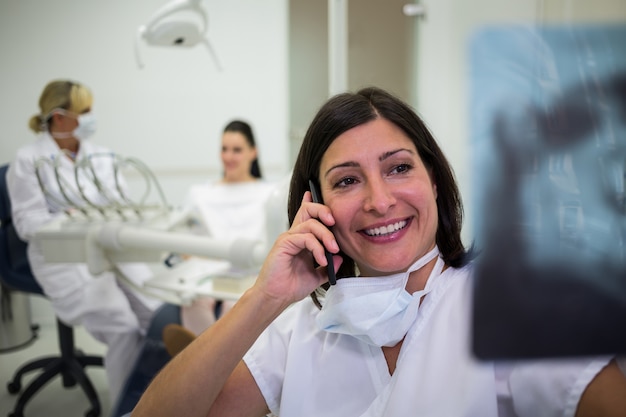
(386, 230)
(381, 195)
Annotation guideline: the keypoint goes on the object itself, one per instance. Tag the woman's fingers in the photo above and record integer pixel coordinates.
(317, 248)
(309, 210)
(315, 218)
(294, 242)
(289, 272)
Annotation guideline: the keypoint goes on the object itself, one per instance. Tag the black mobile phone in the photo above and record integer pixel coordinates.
(317, 198)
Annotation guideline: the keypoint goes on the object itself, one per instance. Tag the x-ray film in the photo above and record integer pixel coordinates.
(548, 127)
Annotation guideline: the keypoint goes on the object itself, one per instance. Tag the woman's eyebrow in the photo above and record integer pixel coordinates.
(391, 153)
(353, 164)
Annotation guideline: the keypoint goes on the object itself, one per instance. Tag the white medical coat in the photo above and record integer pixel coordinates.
(304, 371)
(113, 314)
(31, 209)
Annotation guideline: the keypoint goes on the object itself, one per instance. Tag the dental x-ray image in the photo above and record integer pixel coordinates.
(548, 111)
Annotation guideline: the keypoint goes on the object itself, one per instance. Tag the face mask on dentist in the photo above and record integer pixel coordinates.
(376, 310)
(85, 129)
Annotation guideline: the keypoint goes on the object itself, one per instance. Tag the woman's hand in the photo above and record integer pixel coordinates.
(288, 273)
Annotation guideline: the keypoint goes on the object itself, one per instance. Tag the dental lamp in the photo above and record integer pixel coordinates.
(162, 30)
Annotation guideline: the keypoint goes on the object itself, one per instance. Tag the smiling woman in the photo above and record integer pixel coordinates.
(392, 220)
(239, 153)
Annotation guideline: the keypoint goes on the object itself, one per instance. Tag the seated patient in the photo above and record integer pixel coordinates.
(391, 338)
(231, 208)
(109, 309)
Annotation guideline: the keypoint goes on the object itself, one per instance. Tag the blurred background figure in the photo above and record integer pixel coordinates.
(109, 309)
(231, 208)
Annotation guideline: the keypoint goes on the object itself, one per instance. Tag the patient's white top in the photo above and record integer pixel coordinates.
(304, 371)
(230, 210)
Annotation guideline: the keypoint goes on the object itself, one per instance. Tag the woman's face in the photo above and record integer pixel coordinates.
(381, 196)
(237, 156)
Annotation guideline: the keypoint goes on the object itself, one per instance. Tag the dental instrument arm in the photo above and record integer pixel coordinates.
(106, 241)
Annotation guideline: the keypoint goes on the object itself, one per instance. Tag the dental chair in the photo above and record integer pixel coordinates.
(70, 364)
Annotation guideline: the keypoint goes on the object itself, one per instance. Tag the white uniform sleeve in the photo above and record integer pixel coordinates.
(548, 388)
(28, 204)
(267, 358)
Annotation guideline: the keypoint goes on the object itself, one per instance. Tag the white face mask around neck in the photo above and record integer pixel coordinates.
(376, 310)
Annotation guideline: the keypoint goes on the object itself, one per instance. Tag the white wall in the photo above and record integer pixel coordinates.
(380, 52)
(169, 114)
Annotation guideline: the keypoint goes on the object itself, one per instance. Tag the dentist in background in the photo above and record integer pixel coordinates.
(108, 309)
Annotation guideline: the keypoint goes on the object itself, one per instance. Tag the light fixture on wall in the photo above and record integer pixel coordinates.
(182, 31)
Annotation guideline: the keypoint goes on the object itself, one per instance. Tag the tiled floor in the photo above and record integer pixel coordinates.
(53, 400)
